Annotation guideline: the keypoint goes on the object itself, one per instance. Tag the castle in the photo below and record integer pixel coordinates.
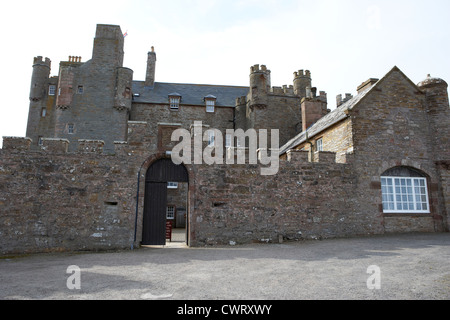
(94, 170)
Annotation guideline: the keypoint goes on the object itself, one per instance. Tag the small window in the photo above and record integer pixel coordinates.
(228, 138)
(319, 145)
(52, 90)
(80, 90)
(59, 91)
(174, 103)
(40, 141)
(172, 185)
(170, 212)
(70, 128)
(43, 112)
(211, 138)
(210, 104)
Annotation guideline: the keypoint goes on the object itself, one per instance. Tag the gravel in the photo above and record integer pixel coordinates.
(410, 267)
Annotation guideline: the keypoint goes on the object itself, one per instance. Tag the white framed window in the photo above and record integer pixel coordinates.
(211, 138)
(70, 128)
(228, 140)
(210, 104)
(174, 103)
(51, 90)
(405, 195)
(319, 145)
(170, 212)
(43, 112)
(172, 185)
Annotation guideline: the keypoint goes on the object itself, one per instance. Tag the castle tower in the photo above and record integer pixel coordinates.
(438, 109)
(151, 67)
(260, 78)
(302, 81)
(95, 96)
(108, 46)
(40, 106)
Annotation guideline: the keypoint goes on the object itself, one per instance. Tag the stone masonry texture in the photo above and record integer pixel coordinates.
(77, 180)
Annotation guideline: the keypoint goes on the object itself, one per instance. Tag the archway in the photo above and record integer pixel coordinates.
(155, 202)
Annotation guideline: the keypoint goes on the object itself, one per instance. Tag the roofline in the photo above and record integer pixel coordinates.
(395, 68)
(198, 84)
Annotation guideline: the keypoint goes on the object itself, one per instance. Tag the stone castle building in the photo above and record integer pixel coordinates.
(94, 170)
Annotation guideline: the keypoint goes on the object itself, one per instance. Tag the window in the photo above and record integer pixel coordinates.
(228, 140)
(80, 90)
(40, 141)
(170, 212)
(211, 138)
(70, 128)
(174, 100)
(210, 105)
(319, 145)
(43, 112)
(172, 185)
(52, 90)
(404, 194)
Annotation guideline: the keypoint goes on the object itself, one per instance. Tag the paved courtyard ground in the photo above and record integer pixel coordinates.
(399, 267)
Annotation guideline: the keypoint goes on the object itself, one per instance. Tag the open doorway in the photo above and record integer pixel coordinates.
(176, 210)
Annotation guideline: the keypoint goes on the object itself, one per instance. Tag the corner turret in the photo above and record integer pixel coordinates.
(39, 78)
(437, 104)
(302, 81)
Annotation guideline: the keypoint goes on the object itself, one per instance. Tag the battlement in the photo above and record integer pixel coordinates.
(16, 143)
(302, 74)
(284, 90)
(41, 62)
(256, 68)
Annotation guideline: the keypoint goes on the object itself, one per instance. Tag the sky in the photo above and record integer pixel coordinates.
(342, 42)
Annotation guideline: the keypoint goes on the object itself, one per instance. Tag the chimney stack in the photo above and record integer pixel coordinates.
(151, 67)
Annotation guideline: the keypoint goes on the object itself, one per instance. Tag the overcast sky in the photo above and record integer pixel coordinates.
(342, 42)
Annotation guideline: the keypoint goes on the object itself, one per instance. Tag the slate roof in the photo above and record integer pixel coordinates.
(325, 122)
(191, 94)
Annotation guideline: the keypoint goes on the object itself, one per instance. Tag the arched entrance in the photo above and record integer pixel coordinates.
(155, 203)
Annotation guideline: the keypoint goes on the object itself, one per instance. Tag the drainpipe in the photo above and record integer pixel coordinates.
(311, 154)
(137, 205)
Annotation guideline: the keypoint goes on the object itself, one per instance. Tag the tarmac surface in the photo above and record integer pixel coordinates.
(392, 267)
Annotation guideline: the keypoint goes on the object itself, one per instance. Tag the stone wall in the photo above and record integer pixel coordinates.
(235, 204)
(54, 201)
(391, 128)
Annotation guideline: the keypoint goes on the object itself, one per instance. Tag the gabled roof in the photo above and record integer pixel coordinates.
(191, 94)
(335, 116)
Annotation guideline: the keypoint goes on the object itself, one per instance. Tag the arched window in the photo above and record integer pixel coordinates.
(404, 190)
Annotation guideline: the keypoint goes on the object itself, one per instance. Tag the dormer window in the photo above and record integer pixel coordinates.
(174, 101)
(210, 102)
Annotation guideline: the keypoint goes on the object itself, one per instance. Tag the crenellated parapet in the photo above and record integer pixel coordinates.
(16, 143)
